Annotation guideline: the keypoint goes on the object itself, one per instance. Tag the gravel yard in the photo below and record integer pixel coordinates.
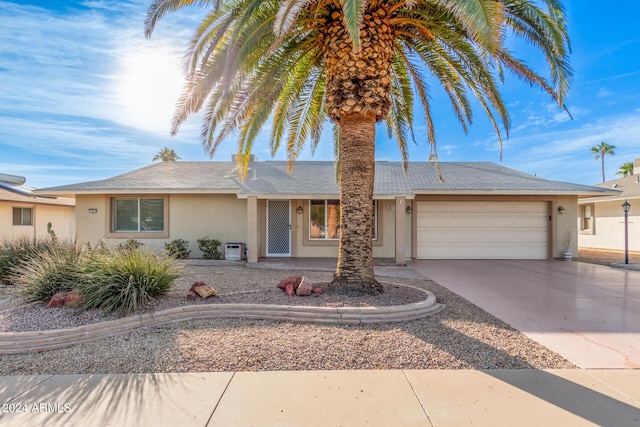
(460, 337)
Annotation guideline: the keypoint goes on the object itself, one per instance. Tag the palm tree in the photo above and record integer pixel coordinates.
(626, 169)
(166, 155)
(601, 150)
(356, 63)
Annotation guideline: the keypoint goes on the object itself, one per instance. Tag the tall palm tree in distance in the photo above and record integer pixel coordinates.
(166, 155)
(602, 150)
(356, 63)
(626, 169)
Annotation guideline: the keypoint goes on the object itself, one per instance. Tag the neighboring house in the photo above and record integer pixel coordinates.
(601, 220)
(482, 210)
(25, 214)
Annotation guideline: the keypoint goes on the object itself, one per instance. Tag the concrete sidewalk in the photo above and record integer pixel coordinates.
(326, 398)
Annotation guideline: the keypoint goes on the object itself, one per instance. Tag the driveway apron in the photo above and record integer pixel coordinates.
(588, 313)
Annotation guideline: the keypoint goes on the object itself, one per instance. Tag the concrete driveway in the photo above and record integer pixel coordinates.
(588, 313)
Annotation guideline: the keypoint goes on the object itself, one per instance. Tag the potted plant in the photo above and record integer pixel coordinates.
(567, 251)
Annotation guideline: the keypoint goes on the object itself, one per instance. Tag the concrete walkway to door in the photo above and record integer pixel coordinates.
(588, 313)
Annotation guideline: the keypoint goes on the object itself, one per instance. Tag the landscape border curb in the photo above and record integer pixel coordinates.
(37, 341)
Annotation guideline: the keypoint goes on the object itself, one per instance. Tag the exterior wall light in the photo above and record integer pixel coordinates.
(299, 210)
(560, 210)
(409, 210)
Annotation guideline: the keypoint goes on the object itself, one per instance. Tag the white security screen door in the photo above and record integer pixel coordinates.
(278, 228)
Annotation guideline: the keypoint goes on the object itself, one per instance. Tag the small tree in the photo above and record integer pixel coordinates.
(626, 169)
(166, 155)
(601, 150)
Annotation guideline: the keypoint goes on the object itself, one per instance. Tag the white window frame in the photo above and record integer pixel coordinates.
(583, 218)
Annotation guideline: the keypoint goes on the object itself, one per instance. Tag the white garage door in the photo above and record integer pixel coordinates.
(482, 230)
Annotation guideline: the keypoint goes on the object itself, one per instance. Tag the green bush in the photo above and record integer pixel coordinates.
(209, 248)
(12, 252)
(178, 248)
(123, 282)
(130, 244)
(46, 271)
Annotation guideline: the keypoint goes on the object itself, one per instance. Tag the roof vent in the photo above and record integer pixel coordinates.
(12, 179)
(614, 186)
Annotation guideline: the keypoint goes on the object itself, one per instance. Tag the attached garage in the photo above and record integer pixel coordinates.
(482, 230)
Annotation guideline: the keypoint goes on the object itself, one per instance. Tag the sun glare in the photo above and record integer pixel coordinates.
(148, 86)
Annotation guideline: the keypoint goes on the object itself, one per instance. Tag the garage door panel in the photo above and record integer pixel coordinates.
(482, 230)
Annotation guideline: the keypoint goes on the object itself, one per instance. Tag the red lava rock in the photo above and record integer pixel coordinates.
(289, 289)
(305, 287)
(73, 299)
(192, 296)
(57, 300)
(294, 280)
(196, 285)
(317, 290)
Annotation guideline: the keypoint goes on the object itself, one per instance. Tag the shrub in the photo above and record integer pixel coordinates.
(178, 248)
(46, 271)
(209, 248)
(125, 281)
(130, 244)
(12, 252)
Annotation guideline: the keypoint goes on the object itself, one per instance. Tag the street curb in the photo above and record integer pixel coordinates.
(37, 341)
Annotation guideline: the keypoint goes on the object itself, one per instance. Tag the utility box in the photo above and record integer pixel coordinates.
(234, 251)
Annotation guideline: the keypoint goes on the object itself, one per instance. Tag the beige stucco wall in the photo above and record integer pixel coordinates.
(609, 226)
(190, 217)
(61, 218)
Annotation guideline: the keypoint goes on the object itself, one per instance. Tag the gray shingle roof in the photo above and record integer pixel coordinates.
(627, 188)
(318, 178)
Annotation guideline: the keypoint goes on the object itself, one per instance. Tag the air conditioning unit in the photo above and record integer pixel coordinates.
(234, 251)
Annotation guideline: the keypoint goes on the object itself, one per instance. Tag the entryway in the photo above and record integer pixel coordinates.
(278, 228)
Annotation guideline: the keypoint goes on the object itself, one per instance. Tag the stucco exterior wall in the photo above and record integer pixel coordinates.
(190, 217)
(608, 230)
(61, 218)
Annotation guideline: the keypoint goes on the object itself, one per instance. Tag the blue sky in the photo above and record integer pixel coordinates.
(83, 96)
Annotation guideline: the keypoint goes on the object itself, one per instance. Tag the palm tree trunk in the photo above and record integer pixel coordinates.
(602, 157)
(354, 273)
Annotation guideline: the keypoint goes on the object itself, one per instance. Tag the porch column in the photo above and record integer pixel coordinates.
(252, 229)
(401, 248)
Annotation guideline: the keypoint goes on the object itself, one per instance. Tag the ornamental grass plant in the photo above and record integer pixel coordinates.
(123, 281)
(12, 252)
(46, 270)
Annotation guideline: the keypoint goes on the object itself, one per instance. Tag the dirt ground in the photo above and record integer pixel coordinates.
(605, 256)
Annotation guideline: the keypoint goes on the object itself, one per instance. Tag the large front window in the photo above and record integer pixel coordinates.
(324, 220)
(137, 214)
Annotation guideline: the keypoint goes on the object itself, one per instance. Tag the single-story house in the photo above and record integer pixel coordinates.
(481, 210)
(25, 214)
(601, 219)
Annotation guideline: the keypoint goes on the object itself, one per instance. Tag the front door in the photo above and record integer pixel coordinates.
(278, 228)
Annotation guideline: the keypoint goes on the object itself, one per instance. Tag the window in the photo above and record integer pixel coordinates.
(586, 218)
(22, 216)
(137, 214)
(324, 220)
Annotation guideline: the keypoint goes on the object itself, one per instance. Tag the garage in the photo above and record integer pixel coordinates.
(482, 230)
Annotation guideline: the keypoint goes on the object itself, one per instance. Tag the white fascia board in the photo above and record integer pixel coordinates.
(317, 196)
(73, 193)
(509, 193)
